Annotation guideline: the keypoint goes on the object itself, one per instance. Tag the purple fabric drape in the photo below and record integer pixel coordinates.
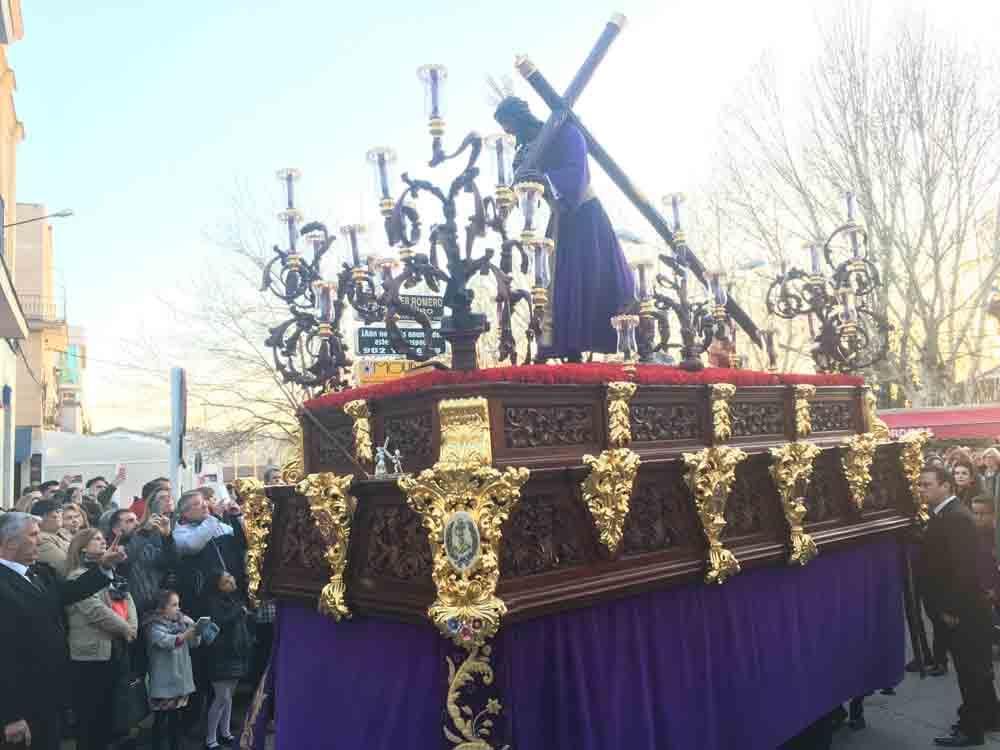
(748, 664)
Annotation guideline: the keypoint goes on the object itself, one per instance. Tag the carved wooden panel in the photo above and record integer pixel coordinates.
(886, 489)
(664, 422)
(753, 418)
(412, 435)
(661, 514)
(336, 442)
(540, 536)
(827, 496)
(831, 416)
(753, 501)
(397, 544)
(540, 426)
(302, 544)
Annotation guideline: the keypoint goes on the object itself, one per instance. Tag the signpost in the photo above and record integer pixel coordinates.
(373, 341)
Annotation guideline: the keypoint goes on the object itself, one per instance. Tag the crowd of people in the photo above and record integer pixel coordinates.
(113, 610)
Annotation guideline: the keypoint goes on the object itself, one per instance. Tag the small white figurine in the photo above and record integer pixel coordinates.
(397, 462)
(380, 456)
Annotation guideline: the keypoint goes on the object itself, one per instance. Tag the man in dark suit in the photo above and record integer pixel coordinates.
(950, 583)
(33, 650)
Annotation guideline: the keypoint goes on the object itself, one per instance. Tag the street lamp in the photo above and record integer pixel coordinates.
(66, 212)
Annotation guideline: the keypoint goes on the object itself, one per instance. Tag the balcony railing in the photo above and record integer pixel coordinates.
(45, 309)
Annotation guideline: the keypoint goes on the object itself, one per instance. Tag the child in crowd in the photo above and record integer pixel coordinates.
(228, 658)
(170, 636)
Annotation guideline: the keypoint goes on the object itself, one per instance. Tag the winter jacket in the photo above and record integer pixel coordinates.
(93, 625)
(170, 673)
(52, 549)
(230, 652)
(151, 557)
(204, 552)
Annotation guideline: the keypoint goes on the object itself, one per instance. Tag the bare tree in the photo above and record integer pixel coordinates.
(911, 125)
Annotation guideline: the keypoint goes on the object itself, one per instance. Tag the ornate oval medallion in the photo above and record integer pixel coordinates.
(461, 541)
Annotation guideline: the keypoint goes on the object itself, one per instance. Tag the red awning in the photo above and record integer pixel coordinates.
(946, 422)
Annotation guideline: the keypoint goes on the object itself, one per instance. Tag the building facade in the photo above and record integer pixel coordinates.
(50, 372)
(13, 326)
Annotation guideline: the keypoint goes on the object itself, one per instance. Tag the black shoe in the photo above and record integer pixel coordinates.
(913, 666)
(958, 738)
(858, 723)
(938, 670)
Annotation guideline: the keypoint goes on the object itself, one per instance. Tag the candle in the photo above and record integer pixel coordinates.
(850, 205)
(814, 258)
(717, 283)
(675, 200)
(433, 77)
(351, 232)
(541, 263)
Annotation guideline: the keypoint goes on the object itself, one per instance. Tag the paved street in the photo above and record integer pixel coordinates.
(920, 711)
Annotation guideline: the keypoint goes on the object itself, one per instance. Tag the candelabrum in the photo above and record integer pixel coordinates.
(701, 322)
(309, 347)
(848, 333)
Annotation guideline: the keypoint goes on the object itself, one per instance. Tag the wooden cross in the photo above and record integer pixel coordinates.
(562, 111)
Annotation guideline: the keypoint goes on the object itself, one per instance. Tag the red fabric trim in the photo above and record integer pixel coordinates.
(580, 374)
(975, 422)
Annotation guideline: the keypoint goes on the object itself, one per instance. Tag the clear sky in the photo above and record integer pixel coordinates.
(142, 116)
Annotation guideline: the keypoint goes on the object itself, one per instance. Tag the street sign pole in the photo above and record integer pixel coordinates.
(178, 426)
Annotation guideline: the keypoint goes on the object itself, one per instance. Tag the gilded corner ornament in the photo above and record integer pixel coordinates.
(911, 458)
(791, 470)
(722, 427)
(467, 728)
(619, 422)
(607, 491)
(859, 452)
(332, 510)
(804, 393)
(710, 476)
(358, 410)
(463, 503)
(875, 425)
(257, 510)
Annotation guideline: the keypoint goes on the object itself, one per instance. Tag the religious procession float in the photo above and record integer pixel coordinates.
(629, 550)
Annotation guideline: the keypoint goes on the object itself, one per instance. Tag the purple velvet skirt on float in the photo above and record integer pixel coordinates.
(747, 664)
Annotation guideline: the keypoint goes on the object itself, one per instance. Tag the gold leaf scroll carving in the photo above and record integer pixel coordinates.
(257, 510)
(463, 487)
(710, 477)
(722, 425)
(804, 393)
(791, 471)
(859, 452)
(911, 459)
(619, 424)
(332, 509)
(361, 414)
(607, 491)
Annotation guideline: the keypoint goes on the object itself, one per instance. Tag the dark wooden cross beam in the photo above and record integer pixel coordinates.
(562, 112)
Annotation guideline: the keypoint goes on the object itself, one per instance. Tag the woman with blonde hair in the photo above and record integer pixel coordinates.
(74, 520)
(100, 629)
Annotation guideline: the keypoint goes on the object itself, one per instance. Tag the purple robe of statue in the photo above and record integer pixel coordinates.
(592, 278)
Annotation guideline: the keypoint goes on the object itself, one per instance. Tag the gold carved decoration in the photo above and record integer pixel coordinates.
(875, 425)
(710, 476)
(293, 470)
(361, 414)
(465, 431)
(333, 512)
(722, 428)
(257, 527)
(912, 460)
(464, 502)
(859, 452)
(607, 492)
(803, 418)
(469, 729)
(791, 470)
(619, 423)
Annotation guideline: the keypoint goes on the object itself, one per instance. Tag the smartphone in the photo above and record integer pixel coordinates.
(203, 621)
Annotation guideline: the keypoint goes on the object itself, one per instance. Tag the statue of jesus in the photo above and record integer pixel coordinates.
(592, 280)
